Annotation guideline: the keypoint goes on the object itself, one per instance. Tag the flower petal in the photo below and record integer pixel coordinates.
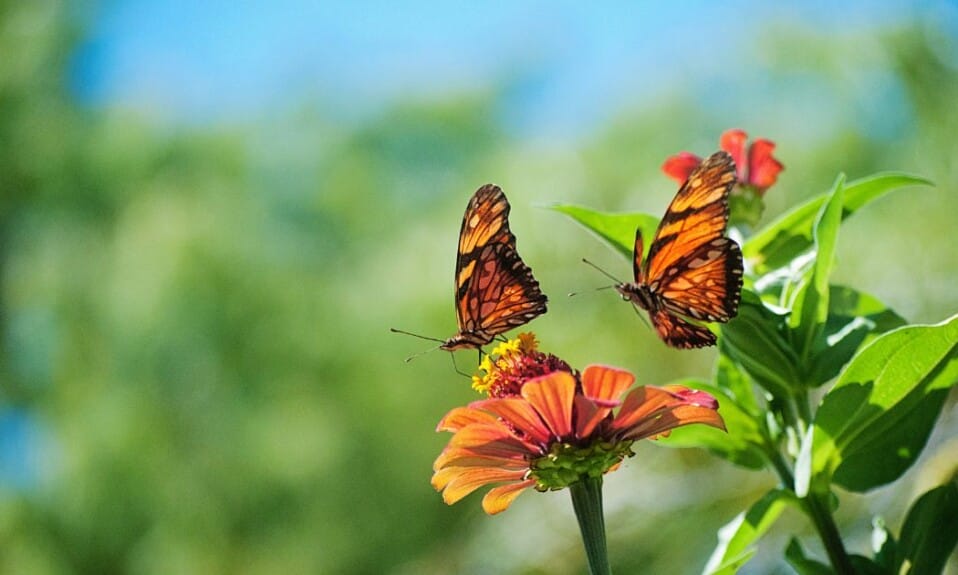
(642, 402)
(478, 457)
(461, 417)
(680, 166)
(763, 169)
(551, 395)
(676, 417)
(604, 384)
(457, 482)
(692, 396)
(500, 498)
(733, 142)
(495, 438)
(588, 415)
(520, 414)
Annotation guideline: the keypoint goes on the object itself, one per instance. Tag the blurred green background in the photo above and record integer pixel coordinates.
(211, 215)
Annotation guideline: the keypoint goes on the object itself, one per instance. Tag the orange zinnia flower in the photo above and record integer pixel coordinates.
(756, 168)
(558, 430)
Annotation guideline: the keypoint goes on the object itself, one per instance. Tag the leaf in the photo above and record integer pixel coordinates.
(739, 445)
(854, 319)
(884, 403)
(791, 234)
(735, 382)
(755, 340)
(618, 230)
(930, 532)
(810, 305)
(736, 538)
(795, 556)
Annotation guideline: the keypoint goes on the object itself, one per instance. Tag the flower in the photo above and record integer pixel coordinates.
(512, 363)
(756, 168)
(559, 430)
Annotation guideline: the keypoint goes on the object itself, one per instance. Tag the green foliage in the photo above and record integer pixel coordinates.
(792, 233)
(618, 230)
(885, 402)
(810, 303)
(802, 564)
(930, 532)
(736, 539)
(795, 330)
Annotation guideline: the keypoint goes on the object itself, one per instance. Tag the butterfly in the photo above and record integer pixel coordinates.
(692, 272)
(495, 289)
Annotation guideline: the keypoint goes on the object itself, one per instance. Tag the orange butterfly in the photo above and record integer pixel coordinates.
(495, 290)
(692, 271)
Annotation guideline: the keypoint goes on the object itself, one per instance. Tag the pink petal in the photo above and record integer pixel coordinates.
(605, 384)
(457, 482)
(763, 169)
(692, 396)
(500, 498)
(461, 417)
(551, 395)
(733, 142)
(520, 414)
(679, 166)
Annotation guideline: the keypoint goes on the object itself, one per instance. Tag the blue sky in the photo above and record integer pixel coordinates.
(565, 64)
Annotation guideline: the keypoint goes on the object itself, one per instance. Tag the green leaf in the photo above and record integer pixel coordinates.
(739, 445)
(873, 424)
(791, 234)
(865, 566)
(854, 319)
(735, 382)
(618, 230)
(755, 340)
(810, 305)
(802, 565)
(930, 532)
(736, 538)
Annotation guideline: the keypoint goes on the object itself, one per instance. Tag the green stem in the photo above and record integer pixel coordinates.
(828, 532)
(785, 475)
(804, 410)
(587, 502)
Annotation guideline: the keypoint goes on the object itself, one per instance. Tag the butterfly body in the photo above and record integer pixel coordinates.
(495, 289)
(692, 273)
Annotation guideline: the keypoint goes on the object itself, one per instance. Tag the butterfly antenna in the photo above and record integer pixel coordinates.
(425, 337)
(602, 271)
(572, 293)
(415, 355)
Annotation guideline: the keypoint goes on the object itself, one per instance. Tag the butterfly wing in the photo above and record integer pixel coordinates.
(697, 215)
(495, 289)
(677, 332)
(706, 284)
(693, 270)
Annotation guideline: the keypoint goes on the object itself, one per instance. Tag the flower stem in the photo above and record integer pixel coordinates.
(587, 502)
(828, 532)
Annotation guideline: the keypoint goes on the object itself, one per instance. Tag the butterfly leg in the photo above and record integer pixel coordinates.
(456, 367)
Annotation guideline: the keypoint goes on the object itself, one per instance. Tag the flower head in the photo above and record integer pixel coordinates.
(756, 168)
(558, 430)
(503, 372)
